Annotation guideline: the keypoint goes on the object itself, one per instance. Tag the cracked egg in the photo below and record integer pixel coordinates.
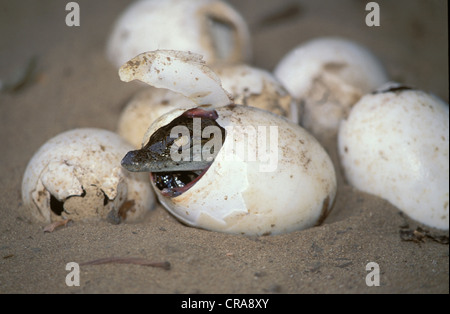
(77, 175)
(328, 76)
(208, 27)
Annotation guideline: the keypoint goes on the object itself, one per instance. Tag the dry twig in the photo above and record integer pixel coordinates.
(128, 260)
(51, 227)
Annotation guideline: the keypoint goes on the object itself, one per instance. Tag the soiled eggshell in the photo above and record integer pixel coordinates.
(77, 175)
(208, 27)
(328, 76)
(291, 185)
(395, 144)
(144, 108)
(251, 86)
(270, 176)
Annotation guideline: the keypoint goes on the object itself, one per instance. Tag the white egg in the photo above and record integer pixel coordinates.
(328, 76)
(395, 144)
(208, 27)
(77, 175)
(267, 175)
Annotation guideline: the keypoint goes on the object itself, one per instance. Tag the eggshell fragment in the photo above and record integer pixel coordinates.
(211, 28)
(77, 175)
(395, 144)
(328, 76)
(179, 71)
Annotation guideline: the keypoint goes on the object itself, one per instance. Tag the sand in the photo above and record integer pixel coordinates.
(75, 86)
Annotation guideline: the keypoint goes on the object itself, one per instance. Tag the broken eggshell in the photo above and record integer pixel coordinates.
(208, 27)
(328, 76)
(293, 188)
(77, 175)
(395, 144)
(246, 85)
(290, 184)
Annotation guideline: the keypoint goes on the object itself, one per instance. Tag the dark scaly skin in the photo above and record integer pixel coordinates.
(155, 155)
(144, 161)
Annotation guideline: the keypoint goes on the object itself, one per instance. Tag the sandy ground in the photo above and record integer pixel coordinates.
(75, 86)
